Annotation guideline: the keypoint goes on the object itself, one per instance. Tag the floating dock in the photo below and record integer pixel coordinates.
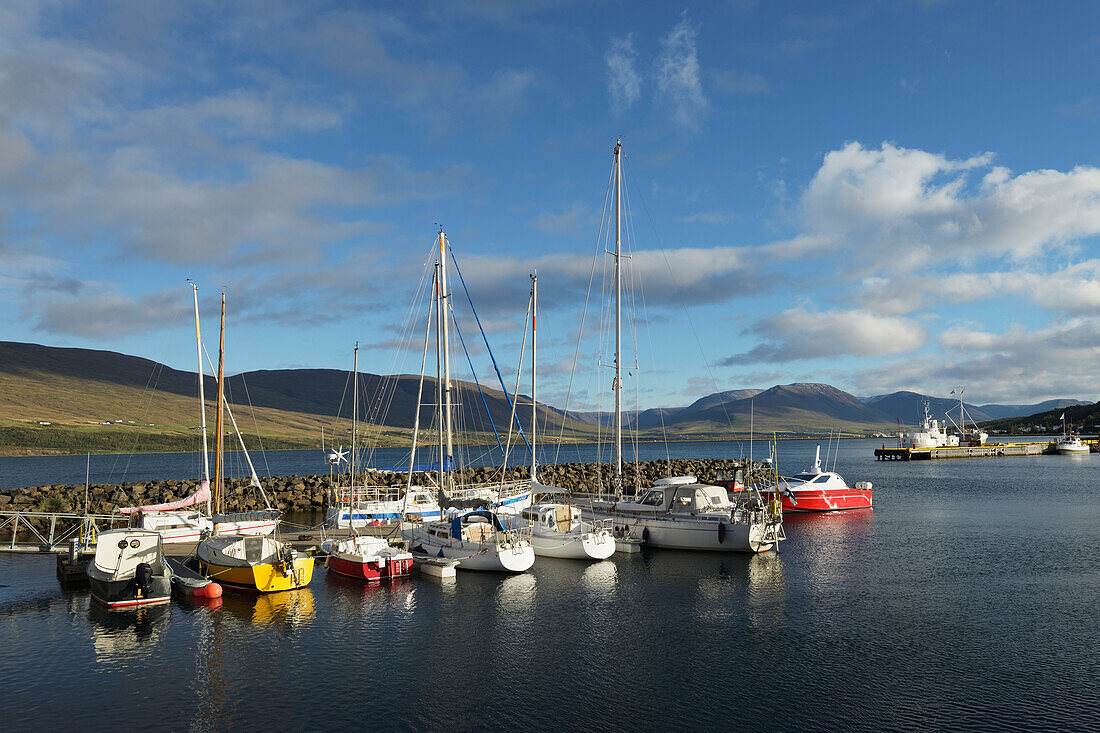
(989, 450)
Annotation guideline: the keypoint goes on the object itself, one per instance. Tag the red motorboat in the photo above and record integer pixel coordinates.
(366, 558)
(815, 490)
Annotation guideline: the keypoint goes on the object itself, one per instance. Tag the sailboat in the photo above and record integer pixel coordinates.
(678, 512)
(372, 505)
(365, 558)
(477, 539)
(557, 529)
(247, 562)
(175, 521)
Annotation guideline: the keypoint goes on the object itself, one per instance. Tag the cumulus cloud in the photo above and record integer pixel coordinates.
(623, 80)
(902, 208)
(691, 275)
(679, 82)
(796, 334)
(78, 308)
(1018, 364)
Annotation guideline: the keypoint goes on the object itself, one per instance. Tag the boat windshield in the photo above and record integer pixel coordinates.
(711, 498)
(821, 479)
(652, 498)
(804, 476)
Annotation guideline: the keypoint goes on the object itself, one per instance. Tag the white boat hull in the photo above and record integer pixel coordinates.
(190, 526)
(685, 533)
(1073, 451)
(588, 546)
(473, 555)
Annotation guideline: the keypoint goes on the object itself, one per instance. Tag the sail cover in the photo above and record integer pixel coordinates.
(203, 494)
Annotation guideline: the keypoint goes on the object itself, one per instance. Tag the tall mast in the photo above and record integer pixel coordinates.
(354, 422)
(218, 443)
(618, 321)
(444, 298)
(439, 371)
(202, 394)
(534, 382)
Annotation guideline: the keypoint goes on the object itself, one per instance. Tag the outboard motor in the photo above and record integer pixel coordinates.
(143, 575)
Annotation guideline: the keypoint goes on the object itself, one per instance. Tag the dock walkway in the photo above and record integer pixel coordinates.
(989, 450)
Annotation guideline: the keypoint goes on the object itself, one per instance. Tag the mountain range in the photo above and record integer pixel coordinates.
(908, 408)
(59, 396)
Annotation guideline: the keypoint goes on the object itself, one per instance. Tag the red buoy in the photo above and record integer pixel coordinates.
(213, 591)
(199, 591)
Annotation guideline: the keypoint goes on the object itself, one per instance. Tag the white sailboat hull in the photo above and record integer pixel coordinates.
(192, 526)
(473, 555)
(571, 546)
(692, 533)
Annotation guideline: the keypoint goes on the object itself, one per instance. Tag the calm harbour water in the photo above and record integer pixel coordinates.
(966, 599)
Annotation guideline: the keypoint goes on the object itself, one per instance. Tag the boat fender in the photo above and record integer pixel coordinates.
(645, 535)
(721, 533)
(213, 590)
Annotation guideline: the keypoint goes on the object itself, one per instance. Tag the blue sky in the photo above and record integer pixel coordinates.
(880, 196)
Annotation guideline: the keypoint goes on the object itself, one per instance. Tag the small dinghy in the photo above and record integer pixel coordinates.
(128, 569)
(189, 582)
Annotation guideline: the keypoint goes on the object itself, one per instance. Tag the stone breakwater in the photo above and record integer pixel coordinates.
(313, 493)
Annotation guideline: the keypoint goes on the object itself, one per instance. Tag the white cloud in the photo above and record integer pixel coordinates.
(796, 334)
(623, 80)
(904, 209)
(678, 76)
(1015, 366)
(706, 217)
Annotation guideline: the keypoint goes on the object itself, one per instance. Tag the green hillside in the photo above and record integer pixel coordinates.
(77, 400)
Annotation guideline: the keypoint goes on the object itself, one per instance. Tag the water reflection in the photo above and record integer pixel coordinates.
(767, 591)
(120, 637)
(289, 609)
(600, 579)
(516, 594)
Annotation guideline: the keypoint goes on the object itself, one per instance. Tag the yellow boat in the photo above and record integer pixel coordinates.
(254, 563)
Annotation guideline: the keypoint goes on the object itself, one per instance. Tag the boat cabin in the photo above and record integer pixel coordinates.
(476, 526)
(251, 549)
(118, 552)
(680, 498)
(553, 517)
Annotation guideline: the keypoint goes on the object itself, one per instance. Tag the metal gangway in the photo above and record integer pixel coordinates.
(63, 527)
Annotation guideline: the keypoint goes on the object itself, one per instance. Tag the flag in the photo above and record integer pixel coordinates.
(1063, 417)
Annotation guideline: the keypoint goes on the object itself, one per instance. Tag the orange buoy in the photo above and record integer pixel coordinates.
(213, 591)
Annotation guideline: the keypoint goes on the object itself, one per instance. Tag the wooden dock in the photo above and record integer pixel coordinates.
(989, 450)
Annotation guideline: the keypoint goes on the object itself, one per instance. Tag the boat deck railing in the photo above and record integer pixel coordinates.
(469, 492)
(345, 494)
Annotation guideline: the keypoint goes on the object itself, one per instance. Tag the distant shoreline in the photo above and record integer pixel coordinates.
(22, 452)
